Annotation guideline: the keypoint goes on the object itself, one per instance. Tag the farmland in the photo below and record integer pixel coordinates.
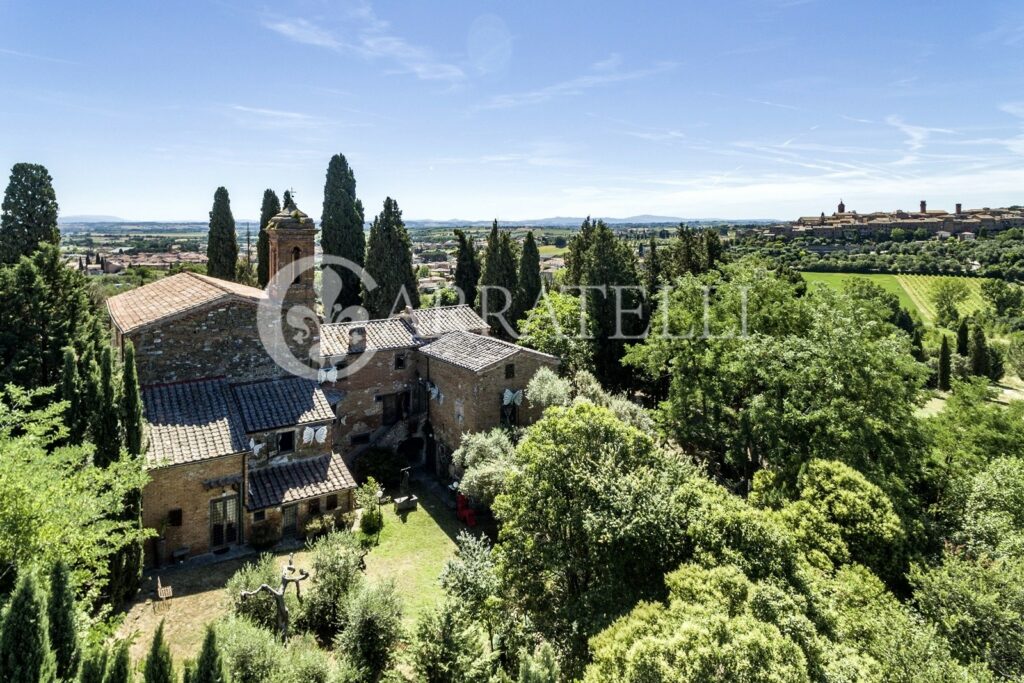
(914, 291)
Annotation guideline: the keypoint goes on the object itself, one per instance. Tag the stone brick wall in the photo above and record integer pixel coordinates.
(360, 411)
(273, 517)
(181, 487)
(215, 341)
(477, 396)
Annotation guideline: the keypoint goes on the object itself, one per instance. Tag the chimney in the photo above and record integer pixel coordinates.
(357, 340)
(924, 206)
(959, 208)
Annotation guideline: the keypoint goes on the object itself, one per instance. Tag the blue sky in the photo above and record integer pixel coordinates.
(480, 109)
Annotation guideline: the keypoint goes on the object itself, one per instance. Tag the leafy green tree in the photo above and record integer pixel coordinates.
(373, 630)
(341, 226)
(336, 562)
(540, 667)
(470, 579)
(498, 282)
(559, 325)
(487, 459)
(447, 649)
(29, 212)
(76, 418)
(34, 474)
(119, 667)
(1003, 297)
(389, 262)
(977, 604)
(947, 296)
(159, 666)
(61, 619)
(963, 335)
(1015, 353)
(271, 207)
(589, 523)
(209, 666)
(944, 365)
(529, 286)
(979, 352)
(25, 654)
(467, 267)
(222, 242)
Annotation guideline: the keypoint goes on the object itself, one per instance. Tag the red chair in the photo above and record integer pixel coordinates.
(463, 512)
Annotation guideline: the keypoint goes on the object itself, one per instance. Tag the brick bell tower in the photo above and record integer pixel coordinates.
(292, 236)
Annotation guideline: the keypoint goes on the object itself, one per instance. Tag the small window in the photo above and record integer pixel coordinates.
(399, 361)
(174, 517)
(510, 370)
(286, 442)
(332, 502)
(360, 439)
(259, 515)
(314, 506)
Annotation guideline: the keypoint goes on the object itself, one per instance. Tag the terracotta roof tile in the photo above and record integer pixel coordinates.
(191, 421)
(270, 404)
(474, 351)
(390, 333)
(298, 480)
(429, 323)
(172, 296)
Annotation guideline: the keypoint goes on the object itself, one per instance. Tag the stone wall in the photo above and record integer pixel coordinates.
(181, 487)
(360, 411)
(221, 340)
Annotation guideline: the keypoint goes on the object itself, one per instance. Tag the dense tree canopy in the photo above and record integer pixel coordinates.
(29, 212)
(341, 231)
(389, 263)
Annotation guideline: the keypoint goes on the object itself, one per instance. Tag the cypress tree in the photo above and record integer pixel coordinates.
(159, 665)
(25, 654)
(222, 244)
(498, 275)
(962, 339)
(917, 347)
(209, 667)
(389, 263)
(945, 365)
(467, 267)
(131, 402)
(106, 425)
(270, 208)
(341, 229)
(979, 352)
(76, 419)
(94, 666)
(29, 212)
(712, 248)
(61, 616)
(575, 255)
(119, 668)
(529, 285)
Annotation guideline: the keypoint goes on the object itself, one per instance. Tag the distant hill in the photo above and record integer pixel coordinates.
(86, 218)
(575, 221)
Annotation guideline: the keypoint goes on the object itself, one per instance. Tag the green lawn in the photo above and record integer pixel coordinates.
(914, 291)
(551, 250)
(412, 550)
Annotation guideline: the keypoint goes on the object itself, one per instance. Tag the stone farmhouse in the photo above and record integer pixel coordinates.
(239, 451)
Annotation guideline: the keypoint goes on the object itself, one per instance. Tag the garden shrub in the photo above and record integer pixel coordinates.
(252, 654)
(260, 609)
(337, 570)
(373, 631)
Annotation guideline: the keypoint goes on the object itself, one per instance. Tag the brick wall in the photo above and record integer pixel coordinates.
(181, 487)
(215, 341)
(359, 410)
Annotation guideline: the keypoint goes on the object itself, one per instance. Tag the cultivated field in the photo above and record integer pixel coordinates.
(914, 291)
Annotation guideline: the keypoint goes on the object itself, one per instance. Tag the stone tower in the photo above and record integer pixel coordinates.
(292, 236)
(842, 207)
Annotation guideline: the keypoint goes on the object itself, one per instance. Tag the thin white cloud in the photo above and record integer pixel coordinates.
(605, 72)
(371, 38)
(30, 55)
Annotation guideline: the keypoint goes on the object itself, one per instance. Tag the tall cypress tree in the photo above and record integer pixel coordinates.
(270, 208)
(467, 267)
(341, 230)
(712, 248)
(29, 212)
(962, 339)
(76, 417)
(25, 654)
(498, 282)
(222, 244)
(61, 616)
(159, 665)
(529, 285)
(979, 352)
(119, 668)
(575, 255)
(106, 425)
(209, 667)
(94, 666)
(131, 402)
(945, 365)
(389, 263)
